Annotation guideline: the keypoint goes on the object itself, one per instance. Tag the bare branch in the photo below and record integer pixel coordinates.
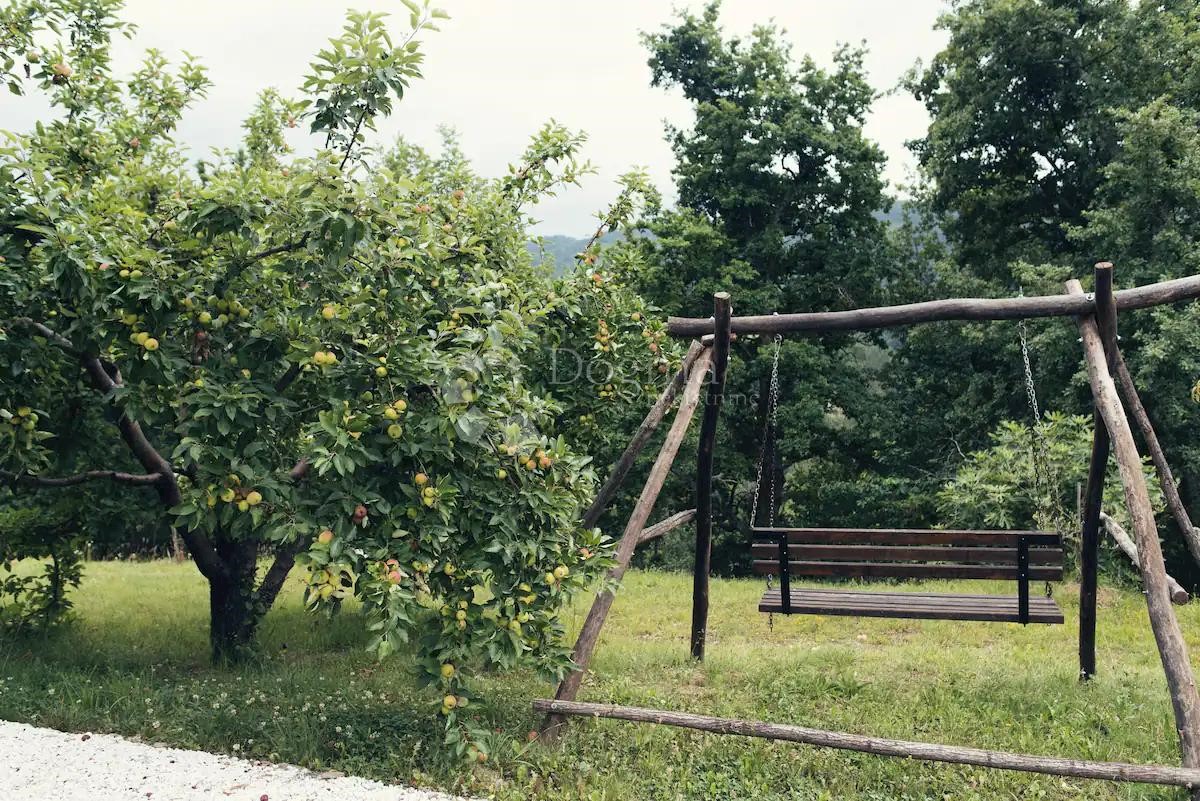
(32, 480)
(289, 376)
(286, 247)
(285, 556)
(107, 379)
(57, 339)
(299, 470)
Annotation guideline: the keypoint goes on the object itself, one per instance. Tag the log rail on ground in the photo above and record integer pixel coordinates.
(929, 752)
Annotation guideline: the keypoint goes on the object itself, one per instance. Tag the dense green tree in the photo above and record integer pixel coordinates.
(776, 165)
(781, 202)
(1019, 103)
(1062, 133)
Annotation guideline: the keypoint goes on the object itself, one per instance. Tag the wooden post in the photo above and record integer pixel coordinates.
(1089, 547)
(623, 465)
(1089, 541)
(585, 644)
(1172, 649)
(1166, 480)
(722, 313)
(904, 749)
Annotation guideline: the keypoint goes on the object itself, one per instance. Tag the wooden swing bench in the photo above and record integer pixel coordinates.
(1023, 556)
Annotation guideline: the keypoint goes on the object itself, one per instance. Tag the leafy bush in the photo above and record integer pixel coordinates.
(41, 562)
(999, 487)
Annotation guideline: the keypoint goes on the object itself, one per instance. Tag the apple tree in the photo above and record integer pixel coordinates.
(331, 358)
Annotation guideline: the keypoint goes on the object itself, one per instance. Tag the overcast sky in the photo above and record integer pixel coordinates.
(499, 69)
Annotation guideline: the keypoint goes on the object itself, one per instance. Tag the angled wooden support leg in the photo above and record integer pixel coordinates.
(1172, 648)
(622, 466)
(1166, 480)
(1179, 596)
(585, 644)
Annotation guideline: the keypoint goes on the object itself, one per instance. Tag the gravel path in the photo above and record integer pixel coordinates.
(47, 765)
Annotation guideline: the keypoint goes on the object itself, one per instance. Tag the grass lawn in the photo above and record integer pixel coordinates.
(134, 662)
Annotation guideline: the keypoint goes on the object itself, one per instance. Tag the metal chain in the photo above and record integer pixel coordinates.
(1043, 486)
(767, 433)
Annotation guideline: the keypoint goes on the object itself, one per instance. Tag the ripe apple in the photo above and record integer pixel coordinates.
(561, 572)
(150, 344)
(329, 312)
(420, 479)
(325, 537)
(391, 413)
(254, 497)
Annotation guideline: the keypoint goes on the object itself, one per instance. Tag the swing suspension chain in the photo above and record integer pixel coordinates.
(1043, 486)
(767, 433)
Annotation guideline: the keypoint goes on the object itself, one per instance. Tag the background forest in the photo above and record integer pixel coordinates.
(1063, 133)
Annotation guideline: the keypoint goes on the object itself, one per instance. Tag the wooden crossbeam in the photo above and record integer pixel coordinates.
(942, 310)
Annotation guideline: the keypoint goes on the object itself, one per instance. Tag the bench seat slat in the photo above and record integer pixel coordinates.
(998, 608)
(906, 570)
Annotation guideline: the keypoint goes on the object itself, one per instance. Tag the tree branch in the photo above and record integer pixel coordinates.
(284, 381)
(353, 136)
(285, 555)
(58, 339)
(107, 379)
(31, 480)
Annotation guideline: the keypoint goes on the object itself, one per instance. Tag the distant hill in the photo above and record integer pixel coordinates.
(561, 250)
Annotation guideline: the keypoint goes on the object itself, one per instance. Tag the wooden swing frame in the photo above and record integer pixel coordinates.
(1096, 318)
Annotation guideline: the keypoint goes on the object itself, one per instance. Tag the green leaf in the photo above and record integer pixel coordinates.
(481, 594)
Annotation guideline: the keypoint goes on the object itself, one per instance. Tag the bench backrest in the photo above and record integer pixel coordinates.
(908, 553)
